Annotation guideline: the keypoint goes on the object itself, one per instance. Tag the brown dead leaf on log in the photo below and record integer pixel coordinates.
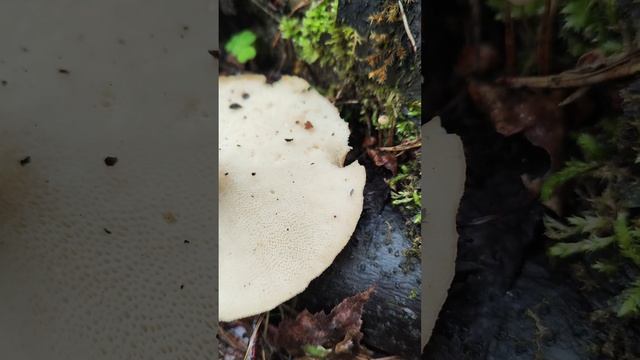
(382, 158)
(338, 331)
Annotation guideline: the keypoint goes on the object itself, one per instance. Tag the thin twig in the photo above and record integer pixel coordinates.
(615, 69)
(403, 147)
(300, 5)
(406, 27)
(250, 353)
(266, 11)
(344, 102)
(578, 93)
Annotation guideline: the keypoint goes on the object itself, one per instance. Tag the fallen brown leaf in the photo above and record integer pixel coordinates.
(381, 158)
(538, 116)
(338, 331)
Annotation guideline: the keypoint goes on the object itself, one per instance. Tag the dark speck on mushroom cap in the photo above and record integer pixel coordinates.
(110, 160)
(24, 161)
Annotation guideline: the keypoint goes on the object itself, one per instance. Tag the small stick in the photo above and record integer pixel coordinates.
(406, 27)
(403, 147)
(349, 102)
(251, 347)
(627, 66)
(575, 95)
(300, 5)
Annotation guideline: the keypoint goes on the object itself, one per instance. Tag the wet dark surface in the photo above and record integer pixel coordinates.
(375, 256)
(505, 301)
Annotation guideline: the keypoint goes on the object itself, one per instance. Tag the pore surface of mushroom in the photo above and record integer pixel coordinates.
(287, 205)
(103, 259)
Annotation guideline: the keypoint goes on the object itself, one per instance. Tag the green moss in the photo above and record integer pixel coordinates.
(572, 170)
(318, 37)
(630, 301)
(405, 189)
(604, 233)
(590, 24)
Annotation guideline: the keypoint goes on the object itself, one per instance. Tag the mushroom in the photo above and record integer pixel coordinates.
(443, 170)
(90, 268)
(287, 203)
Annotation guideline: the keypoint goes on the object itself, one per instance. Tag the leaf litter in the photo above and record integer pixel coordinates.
(304, 336)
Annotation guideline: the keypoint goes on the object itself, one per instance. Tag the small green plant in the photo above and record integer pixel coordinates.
(631, 302)
(241, 46)
(318, 37)
(316, 351)
(605, 231)
(405, 190)
(591, 24)
(406, 126)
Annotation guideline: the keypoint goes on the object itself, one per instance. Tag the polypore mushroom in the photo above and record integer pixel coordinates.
(444, 174)
(287, 203)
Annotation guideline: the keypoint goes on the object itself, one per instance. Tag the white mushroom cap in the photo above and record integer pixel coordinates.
(444, 174)
(287, 205)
